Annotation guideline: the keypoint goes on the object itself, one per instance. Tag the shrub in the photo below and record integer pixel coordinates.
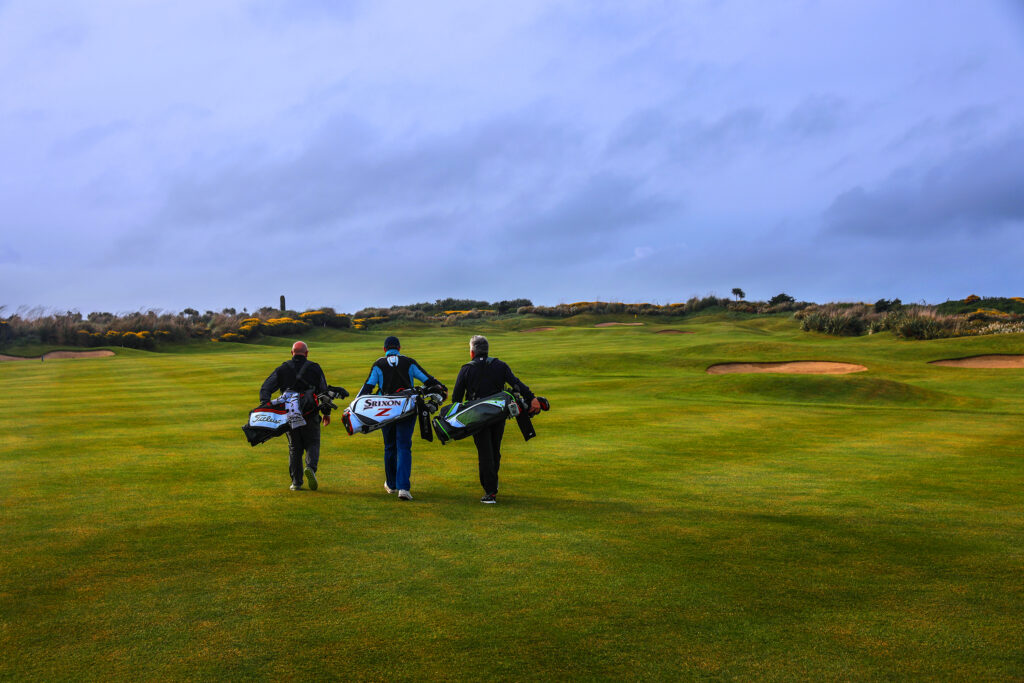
(318, 318)
(284, 326)
(512, 305)
(920, 322)
(371, 313)
(919, 327)
(782, 298)
(883, 305)
(138, 340)
(1001, 328)
(834, 321)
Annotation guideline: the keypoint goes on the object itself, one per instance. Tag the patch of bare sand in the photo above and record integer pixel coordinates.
(614, 324)
(673, 332)
(789, 368)
(992, 361)
(538, 329)
(61, 354)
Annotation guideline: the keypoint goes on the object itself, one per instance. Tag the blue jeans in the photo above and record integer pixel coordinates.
(398, 452)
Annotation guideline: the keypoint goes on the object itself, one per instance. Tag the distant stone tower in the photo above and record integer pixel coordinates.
(282, 302)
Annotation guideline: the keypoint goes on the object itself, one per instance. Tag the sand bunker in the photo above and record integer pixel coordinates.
(790, 368)
(61, 354)
(673, 332)
(538, 329)
(993, 361)
(614, 324)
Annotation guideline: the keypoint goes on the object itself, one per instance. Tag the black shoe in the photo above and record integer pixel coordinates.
(489, 499)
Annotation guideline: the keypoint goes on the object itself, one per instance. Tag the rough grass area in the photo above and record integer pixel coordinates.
(665, 524)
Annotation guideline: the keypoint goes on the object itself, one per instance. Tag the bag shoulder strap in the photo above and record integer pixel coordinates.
(299, 377)
(471, 394)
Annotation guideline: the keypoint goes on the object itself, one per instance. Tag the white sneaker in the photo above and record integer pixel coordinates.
(404, 495)
(388, 488)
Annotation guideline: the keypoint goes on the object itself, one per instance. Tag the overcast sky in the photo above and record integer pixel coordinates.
(356, 153)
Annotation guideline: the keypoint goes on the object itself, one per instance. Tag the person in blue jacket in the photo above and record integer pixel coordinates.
(389, 374)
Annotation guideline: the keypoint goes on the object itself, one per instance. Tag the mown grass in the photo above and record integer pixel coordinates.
(665, 524)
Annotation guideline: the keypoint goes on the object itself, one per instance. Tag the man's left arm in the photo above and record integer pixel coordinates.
(519, 386)
(417, 373)
(321, 388)
(321, 382)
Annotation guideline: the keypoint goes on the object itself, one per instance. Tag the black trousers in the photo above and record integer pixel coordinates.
(304, 439)
(488, 453)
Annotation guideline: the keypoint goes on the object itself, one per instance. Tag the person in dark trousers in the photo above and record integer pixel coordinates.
(300, 374)
(391, 373)
(481, 377)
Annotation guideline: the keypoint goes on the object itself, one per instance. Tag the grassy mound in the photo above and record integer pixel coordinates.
(842, 390)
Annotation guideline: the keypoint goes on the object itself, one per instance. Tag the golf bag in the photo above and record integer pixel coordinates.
(460, 420)
(371, 412)
(290, 410)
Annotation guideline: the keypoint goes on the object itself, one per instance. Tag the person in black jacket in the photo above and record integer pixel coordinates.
(481, 377)
(392, 373)
(300, 374)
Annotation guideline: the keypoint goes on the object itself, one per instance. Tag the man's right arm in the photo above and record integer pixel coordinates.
(375, 379)
(268, 387)
(460, 386)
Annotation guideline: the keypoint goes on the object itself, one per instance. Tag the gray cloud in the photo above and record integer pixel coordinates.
(348, 170)
(276, 12)
(962, 128)
(816, 116)
(693, 137)
(600, 216)
(972, 191)
(88, 138)
(349, 184)
(9, 255)
(746, 129)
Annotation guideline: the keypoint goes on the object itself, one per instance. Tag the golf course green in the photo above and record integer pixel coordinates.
(665, 524)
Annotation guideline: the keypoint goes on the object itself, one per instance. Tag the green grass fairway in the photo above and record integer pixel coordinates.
(666, 524)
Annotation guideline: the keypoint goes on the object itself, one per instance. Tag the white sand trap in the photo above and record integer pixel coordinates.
(673, 332)
(614, 324)
(61, 354)
(815, 367)
(993, 361)
(538, 329)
